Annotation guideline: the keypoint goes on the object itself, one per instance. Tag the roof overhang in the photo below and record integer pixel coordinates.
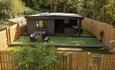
(54, 16)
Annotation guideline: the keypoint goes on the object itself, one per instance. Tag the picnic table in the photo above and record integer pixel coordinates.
(34, 35)
(40, 32)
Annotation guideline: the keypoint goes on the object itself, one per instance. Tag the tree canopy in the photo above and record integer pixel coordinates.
(102, 10)
(11, 8)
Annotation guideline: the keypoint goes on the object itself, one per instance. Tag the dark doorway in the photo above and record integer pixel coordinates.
(59, 26)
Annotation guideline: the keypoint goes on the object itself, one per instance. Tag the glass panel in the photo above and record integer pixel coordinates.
(40, 24)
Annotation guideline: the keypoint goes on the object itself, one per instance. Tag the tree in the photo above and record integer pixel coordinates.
(110, 11)
(102, 10)
(11, 8)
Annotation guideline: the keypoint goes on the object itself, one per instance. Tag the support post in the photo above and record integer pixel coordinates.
(80, 22)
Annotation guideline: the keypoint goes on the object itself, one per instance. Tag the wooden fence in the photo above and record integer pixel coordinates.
(70, 61)
(96, 28)
(3, 38)
(12, 31)
(7, 61)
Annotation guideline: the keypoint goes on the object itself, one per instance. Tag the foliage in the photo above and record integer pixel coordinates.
(102, 10)
(52, 5)
(29, 11)
(10, 8)
(39, 5)
(40, 58)
(2, 26)
(110, 11)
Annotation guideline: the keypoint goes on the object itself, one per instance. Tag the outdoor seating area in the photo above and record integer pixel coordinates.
(38, 34)
(86, 40)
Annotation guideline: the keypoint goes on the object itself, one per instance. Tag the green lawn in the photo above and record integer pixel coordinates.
(61, 40)
(73, 41)
(86, 33)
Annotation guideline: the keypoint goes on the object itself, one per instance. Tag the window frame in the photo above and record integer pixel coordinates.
(38, 23)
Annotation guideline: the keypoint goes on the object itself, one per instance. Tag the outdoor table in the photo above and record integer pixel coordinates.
(40, 33)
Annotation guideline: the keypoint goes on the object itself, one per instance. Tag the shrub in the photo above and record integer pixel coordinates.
(40, 58)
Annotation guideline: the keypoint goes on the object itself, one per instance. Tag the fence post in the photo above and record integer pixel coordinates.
(18, 29)
(8, 34)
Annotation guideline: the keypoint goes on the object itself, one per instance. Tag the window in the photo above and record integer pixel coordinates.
(40, 24)
(66, 21)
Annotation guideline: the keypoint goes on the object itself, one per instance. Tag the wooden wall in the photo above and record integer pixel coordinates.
(69, 61)
(7, 61)
(22, 23)
(95, 27)
(3, 38)
(12, 31)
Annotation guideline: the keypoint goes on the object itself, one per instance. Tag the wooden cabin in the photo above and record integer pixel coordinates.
(55, 23)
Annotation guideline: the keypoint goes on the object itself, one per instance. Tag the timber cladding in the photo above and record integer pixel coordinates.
(102, 31)
(8, 35)
(3, 38)
(69, 61)
(12, 31)
(21, 21)
(7, 61)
